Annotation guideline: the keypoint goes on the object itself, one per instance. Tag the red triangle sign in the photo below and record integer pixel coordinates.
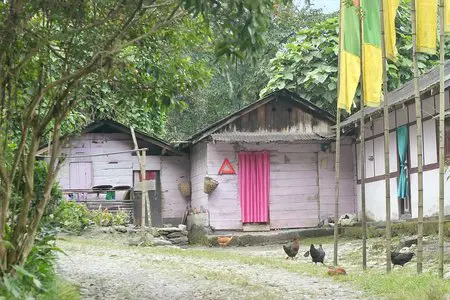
(226, 168)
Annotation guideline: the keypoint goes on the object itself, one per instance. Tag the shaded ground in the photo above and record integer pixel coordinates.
(108, 270)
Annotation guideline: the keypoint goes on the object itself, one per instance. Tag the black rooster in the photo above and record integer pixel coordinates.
(292, 249)
(317, 255)
(400, 259)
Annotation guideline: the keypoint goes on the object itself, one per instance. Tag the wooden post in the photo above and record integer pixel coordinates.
(337, 162)
(441, 136)
(387, 170)
(419, 143)
(144, 189)
(362, 155)
(141, 159)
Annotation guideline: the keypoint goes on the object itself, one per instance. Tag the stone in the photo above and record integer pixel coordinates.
(185, 232)
(197, 235)
(447, 276)
(121, 229)
(408, 242)
(174, 235)
(166, 231)
(182, 227)
(161, 242)
(136, 241)
(180, 240)
(348, 220)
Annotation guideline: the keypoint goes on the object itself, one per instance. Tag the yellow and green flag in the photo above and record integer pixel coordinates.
(390, 38)
(372, 56)
(349, 56)
(426, 25)
(447, 16)
(349, 72)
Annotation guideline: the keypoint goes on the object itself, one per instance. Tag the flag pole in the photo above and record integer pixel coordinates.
(362, 156)
(338, 149)
(386, 141)
(419, 143)
(441, 136)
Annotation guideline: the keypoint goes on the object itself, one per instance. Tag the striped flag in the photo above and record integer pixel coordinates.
(447, 16)
(349, 71)
(349, 55)
(390, 38)
(426, 25)
(372, 60)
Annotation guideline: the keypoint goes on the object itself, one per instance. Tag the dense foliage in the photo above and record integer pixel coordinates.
(308, 64)
(234, 85)
(66, 62)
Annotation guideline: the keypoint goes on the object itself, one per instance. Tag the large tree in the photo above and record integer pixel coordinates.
(235, 84)
(308, 64)
(59, 55)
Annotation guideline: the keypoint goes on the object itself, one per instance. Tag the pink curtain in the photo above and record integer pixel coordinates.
(254, 184)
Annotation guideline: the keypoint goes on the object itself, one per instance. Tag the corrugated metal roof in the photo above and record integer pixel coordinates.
(267, 137)
(405, 92)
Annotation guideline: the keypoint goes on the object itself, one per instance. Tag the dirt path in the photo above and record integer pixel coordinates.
(105, 270)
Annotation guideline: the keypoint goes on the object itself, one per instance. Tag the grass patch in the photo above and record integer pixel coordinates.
(400, 285)
(61, 290)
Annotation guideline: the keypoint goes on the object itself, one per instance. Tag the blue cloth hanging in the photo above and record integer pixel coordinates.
(402, 145)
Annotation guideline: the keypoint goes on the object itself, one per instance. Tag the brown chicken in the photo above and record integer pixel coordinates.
(224, 240)
(333, 271)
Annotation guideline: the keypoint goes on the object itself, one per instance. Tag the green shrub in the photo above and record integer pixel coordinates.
(37, 277)
(72, 216)
(102, 217)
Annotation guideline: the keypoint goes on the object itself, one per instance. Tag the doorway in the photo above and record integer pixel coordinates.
(152, 179)
(254, 185)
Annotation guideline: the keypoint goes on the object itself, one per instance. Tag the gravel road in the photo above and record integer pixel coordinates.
(111, 270)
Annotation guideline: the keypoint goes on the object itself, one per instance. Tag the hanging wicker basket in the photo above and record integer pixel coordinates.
(185, 188)
(210, 185)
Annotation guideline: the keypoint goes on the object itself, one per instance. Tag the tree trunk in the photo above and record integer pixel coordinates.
(419, 143)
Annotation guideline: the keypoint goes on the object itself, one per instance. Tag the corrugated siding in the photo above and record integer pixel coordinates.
(254, 186)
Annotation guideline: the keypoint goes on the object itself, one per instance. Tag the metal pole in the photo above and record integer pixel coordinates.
(386, 142)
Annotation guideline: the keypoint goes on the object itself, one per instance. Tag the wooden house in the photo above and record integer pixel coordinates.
(280, 153)
(102, 169)
(402, 118)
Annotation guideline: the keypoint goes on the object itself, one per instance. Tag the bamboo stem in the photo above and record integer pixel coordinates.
(419, 143)
(386, 142)
(337, 179)
(338, 150)
(441, 136)
(362, 156)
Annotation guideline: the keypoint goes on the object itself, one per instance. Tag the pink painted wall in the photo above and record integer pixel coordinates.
(301, 175)
(118, 169)
(347, 186)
